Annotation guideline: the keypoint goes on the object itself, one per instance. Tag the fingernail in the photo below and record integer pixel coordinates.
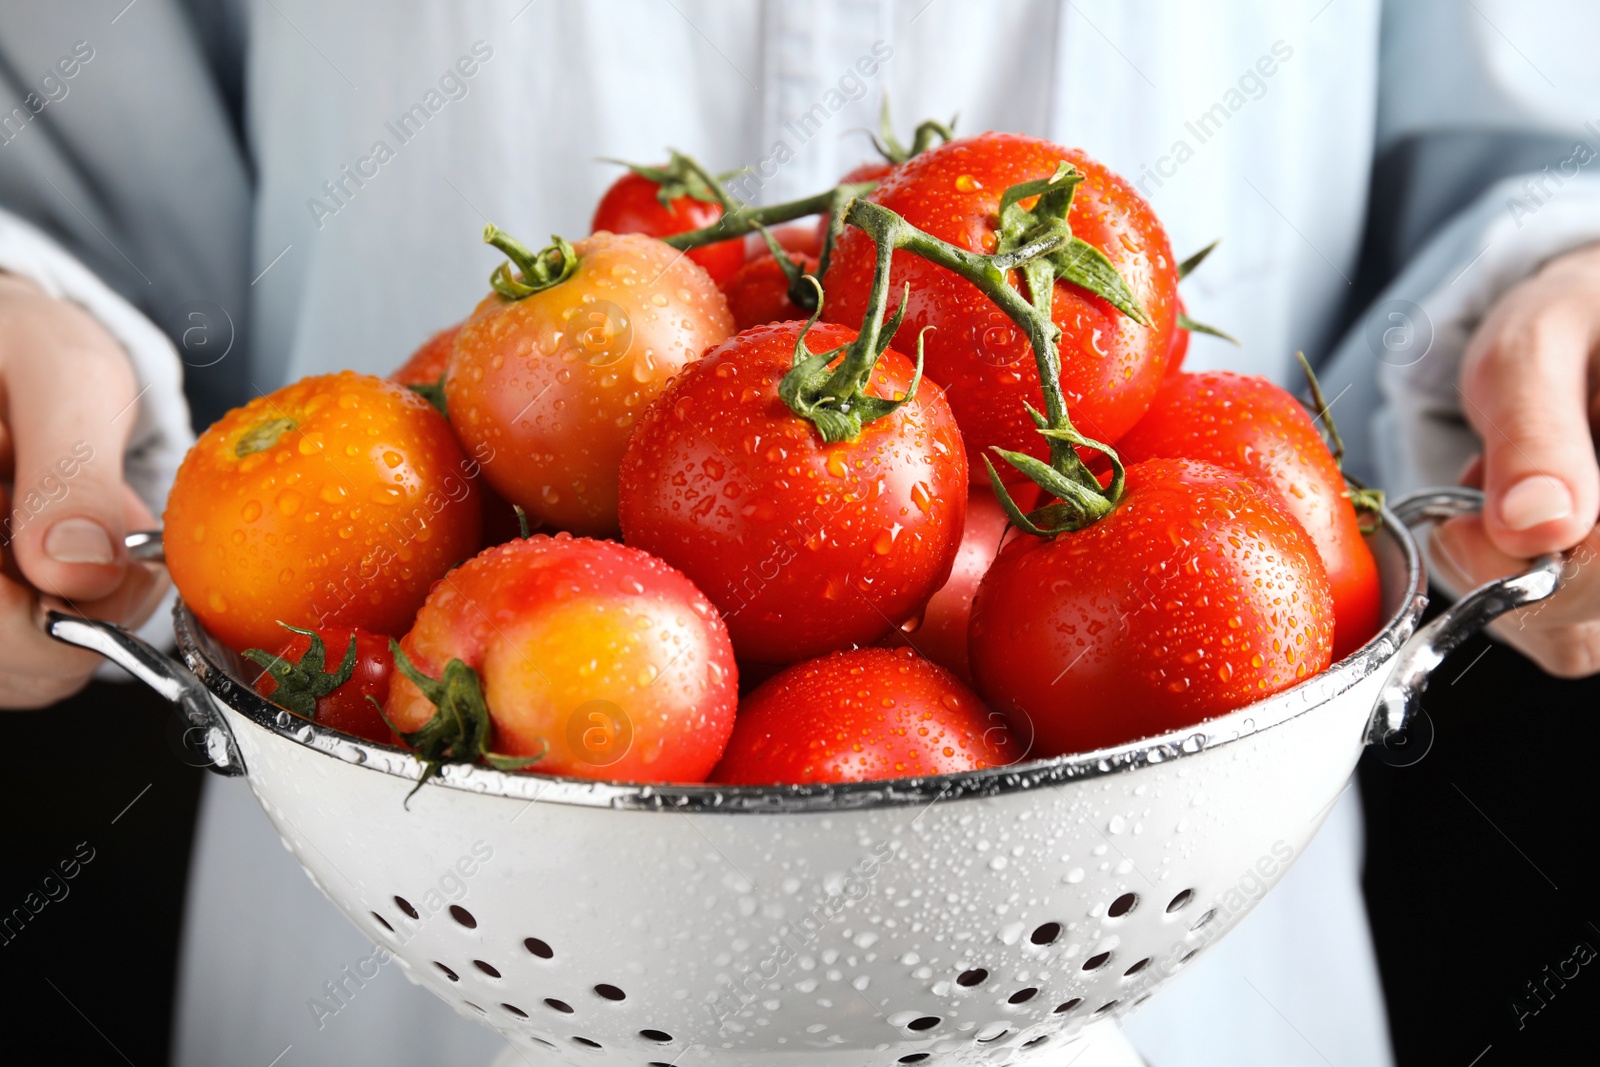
(1536, 499)
(79, 541)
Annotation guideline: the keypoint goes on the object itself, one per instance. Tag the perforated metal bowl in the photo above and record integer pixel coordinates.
(981, 917)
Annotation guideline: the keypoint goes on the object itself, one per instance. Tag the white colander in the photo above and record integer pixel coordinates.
(962, 919)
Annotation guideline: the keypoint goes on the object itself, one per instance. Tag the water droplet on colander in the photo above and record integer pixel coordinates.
(1193, 743)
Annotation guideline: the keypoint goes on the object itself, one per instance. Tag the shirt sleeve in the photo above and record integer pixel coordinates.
(1401, 362)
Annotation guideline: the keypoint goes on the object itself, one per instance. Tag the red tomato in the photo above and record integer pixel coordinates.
(550, 385)
(1249, 425)
(426, 365)
(1110, 365)
(631, 206)
(331, 675)
(798, 238)
(425, 368)
(805, 547)
(335, 501)
(601, 657)
(1180, 347)
(758, 293)
(864, 714)
(1196, 595)
(939, 631)
(872, 171)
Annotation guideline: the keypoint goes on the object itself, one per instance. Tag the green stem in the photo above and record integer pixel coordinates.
(1081, 499)
(743, 218)
(536, 271)
(1365, 500)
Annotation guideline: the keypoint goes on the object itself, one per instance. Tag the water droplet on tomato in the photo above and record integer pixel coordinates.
(251, 511)
(289, 502)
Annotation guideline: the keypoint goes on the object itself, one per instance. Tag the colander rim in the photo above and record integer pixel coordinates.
(208, 660)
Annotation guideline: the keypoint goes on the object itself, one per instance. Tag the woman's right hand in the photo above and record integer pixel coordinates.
(68, 402)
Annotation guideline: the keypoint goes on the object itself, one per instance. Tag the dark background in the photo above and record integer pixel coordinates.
(1462, 914)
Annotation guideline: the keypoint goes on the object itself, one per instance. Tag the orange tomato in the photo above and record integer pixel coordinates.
(553, 382)
(427, 363)
(336, 501)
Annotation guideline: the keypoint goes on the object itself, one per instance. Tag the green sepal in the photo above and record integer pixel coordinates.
(1367, 502)
(1187, 267)
(262, 437)
(433, 393)
(1071, 259)
(1186, 323)
(301, 685)
(536, 271)
(802, 285)
(922, 139)
(1017, 516)
(834, 400)
(1078, 505)
(679, 179)
(1087, 267)
(460, 729)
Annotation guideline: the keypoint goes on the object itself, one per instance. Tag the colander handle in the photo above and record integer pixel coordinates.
(150, 665)
(1400, 731)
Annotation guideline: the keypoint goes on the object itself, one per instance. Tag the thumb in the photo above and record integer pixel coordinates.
(1525, 395)
(72, 402)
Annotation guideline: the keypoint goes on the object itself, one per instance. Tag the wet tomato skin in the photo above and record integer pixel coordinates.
(939, 630)
(426, 365)
(1198, 594)
(335, 501)
(551, 385)
(868, 713)
(602, 652)
(1110, 365)
(759, 292)
(805, 547)
(1180, 347)
(630, 205)
(347, 708)
(1247, 424)
(797, 238)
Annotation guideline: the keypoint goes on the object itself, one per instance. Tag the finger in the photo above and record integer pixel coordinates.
(1525, 394)
(35, 669)
(1560, 634)
(71, 403)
